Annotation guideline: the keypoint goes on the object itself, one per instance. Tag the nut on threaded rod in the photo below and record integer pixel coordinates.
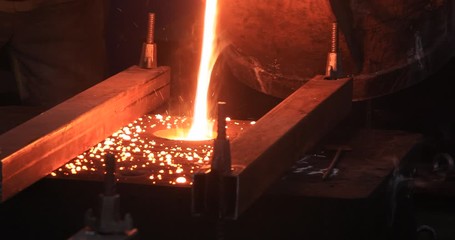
(148, 54)
(333, 67)
(107, 222)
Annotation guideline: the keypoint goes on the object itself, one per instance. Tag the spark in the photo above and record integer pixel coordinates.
(180, 180)
(161, 162)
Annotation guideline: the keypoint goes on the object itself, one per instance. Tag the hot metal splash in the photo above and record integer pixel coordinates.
(144, 158)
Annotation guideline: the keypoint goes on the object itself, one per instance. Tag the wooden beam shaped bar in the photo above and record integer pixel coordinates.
(32, 150)
(264, 152)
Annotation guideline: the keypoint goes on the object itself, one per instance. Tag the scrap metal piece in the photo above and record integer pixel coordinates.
(339, 150)
(261, 154)
(443, 164)
(34, 149)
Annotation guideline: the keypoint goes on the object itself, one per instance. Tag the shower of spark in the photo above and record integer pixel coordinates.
(145, 158)
(202, 126)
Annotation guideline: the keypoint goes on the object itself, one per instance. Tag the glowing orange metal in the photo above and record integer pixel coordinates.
(202, 127)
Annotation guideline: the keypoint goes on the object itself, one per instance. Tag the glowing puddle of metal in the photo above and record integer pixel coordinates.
(144, 154)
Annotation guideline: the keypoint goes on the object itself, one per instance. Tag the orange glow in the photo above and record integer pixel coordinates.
(202, 127)
(180, 180)
(168, 162)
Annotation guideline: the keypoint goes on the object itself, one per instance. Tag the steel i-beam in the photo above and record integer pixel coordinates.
(34, 149)
(262, 153)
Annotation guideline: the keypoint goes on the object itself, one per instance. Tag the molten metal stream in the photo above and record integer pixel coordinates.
(202, 127)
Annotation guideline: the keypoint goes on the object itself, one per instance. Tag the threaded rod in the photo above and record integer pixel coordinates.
(151, 29)
(334, 42)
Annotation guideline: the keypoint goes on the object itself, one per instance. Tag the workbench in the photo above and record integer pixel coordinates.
(360, 172)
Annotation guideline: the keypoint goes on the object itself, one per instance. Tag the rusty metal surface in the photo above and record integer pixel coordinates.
(385, 45)
(262, 153)
(277, 46)
(42, 144)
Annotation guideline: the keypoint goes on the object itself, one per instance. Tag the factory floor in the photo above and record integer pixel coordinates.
(54, 209)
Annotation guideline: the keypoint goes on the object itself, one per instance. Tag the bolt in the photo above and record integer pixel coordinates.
(148, 54)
